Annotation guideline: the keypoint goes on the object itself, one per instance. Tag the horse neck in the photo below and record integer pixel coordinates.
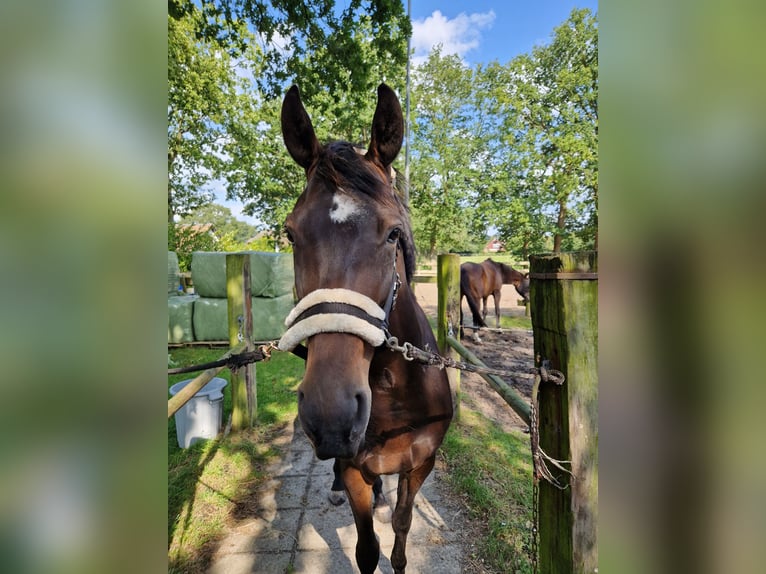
(510, 275)
(408, 322)
(404, 317)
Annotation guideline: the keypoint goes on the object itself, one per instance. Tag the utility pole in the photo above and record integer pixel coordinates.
(407, 119)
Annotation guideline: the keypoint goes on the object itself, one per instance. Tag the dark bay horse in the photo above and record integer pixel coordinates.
(359, 402)
(480, 280)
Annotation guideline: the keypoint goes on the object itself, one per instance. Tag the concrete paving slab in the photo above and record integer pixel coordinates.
(250, 563)
(296, 463)
(297, 530)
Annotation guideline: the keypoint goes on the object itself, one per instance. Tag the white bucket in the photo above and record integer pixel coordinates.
(201, 417)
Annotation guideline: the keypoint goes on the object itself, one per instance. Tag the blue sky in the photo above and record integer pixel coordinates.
(479, 31)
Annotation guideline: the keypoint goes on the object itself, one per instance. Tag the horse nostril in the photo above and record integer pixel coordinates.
(361, 402)
(362, 408)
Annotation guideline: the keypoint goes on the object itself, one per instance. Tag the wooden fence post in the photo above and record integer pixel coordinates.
(448, 316)
(564, 302)
(243, 381)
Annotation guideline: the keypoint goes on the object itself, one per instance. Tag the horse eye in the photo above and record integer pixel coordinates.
(393, 237)
(289, 236)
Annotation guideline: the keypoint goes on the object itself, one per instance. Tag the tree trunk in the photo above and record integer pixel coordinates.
(560, 223)
(171, 159)
(170, 207)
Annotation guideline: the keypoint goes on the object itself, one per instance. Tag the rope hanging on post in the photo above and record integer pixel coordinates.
(540, 458)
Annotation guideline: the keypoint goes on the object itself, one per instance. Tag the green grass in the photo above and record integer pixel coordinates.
(210, 483)
(493, 469)
(514, 322)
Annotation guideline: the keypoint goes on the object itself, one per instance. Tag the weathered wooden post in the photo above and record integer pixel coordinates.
(241, 330)
(448, 316)
(564, 302)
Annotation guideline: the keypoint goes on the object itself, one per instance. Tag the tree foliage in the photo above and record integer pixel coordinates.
(445, 154)
(314, 40)
(206, 98)
(548, 102)
(228, 64)
(510, 147)
(222, 220)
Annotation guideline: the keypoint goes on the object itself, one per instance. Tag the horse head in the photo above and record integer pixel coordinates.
(523, 287)
(351, 244)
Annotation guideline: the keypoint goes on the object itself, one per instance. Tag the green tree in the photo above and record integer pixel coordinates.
(314, 40)
(261, 174)
(549, 101)
(206, 97)
(447, 137)
(223, 221)
(185, 240)
(228, 64)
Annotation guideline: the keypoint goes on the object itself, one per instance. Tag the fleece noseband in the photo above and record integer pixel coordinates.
(334, 311)
(340, 311)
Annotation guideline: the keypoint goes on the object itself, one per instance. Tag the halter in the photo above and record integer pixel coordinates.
(340, 311)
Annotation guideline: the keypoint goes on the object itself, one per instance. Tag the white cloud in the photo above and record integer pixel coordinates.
(457, 36)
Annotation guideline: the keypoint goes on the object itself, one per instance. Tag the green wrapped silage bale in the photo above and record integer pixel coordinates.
(271, 274)
(208, 269)
(180, 312)
(211, 318)
(174, 273)
(269, 315)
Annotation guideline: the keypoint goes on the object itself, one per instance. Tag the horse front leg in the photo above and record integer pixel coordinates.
(409, 485)
(360, 498)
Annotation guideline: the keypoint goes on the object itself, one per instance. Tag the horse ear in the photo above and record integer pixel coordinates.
(297, 130)
(387, 128)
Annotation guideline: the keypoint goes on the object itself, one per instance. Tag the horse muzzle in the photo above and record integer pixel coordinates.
(340, 435)
(335, 427)
(334, 398)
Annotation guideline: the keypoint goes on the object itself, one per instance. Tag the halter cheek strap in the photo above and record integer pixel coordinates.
(334, 311)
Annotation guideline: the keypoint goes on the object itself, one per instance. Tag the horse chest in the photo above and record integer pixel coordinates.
(400, 454)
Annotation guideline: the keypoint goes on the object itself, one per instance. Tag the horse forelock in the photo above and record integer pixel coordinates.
(340, 165)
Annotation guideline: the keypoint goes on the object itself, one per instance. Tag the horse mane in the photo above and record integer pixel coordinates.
(340, 164)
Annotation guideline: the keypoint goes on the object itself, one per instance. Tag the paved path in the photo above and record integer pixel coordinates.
(297, 530)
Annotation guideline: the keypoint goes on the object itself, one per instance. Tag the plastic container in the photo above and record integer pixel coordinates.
(201, 417)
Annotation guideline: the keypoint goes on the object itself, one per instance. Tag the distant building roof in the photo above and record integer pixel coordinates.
(197, 227)
(494, 245)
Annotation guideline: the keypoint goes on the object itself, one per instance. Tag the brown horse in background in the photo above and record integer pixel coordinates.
(480, 280)
(359, 402)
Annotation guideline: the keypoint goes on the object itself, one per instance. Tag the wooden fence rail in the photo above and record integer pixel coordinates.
(518, 403)
(185, 395)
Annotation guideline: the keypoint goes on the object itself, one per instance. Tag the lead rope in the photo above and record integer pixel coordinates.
(413, 353)
(539, 457)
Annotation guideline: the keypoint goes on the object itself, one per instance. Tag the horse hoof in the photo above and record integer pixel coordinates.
(383, 514)
(382, 509)
(336, 498)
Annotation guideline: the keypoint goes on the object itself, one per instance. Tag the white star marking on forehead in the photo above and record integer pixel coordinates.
(344, 207)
